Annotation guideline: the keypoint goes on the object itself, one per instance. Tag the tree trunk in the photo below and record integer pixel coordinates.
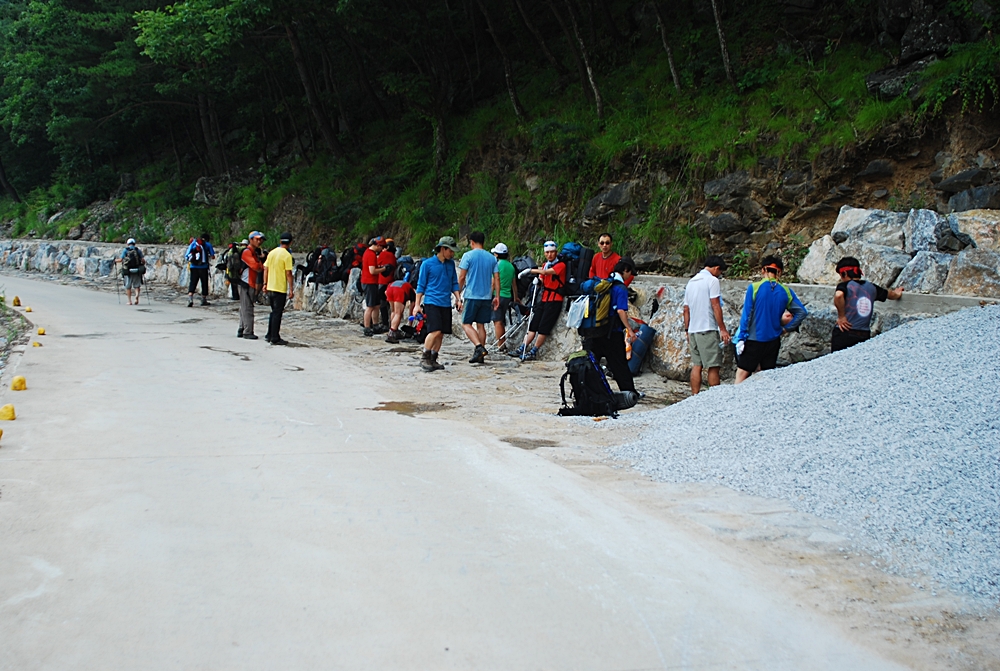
(206, 132)
(722, 43)
(363, 78)
(325, 129)
(177, 154)
(508, 71)
(194, 148)
(571, 41)
(7, 186)
(666, 45)
(586, 61)
(218, 135)
(291, 120)
(556, 64)
(440, 144)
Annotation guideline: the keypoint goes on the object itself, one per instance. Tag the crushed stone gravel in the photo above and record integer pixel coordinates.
(897, 439)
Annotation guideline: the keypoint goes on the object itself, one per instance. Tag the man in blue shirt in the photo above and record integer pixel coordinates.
(612, 346)
(761, 325)
(479, 276)
(437, 284)
(199, 255)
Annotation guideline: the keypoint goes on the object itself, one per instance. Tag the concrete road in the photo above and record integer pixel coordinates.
(172, 497)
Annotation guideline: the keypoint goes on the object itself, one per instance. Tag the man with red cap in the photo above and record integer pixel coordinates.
(855, 299)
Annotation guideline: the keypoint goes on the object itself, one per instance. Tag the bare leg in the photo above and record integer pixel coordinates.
(138, 290)
(434, 340)
(472, 334)
(500, 331)
(696, 379)
(370, 316)
(741, 375)
(528, 337)
(397, 316)
(540, 341)
(713, 377)
(482, 333)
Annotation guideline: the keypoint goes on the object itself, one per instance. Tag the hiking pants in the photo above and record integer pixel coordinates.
(247, 298)
(234, 287)
(612, 348)
(199, 274)
(277, 309)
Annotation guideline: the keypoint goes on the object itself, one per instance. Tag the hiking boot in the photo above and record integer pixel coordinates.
(239, 333)
(380, 328)
(205, 302)
(368, 332)
(530, 355)
(479, 356)
(427, 361)
(392, 338)
(517, 352)
(190, 302)
(434, 360)
(279, 341)
(250, 336)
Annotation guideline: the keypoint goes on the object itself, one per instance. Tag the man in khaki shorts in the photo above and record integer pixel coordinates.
(703, 322)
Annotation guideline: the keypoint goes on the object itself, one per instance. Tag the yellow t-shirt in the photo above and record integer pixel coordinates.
(278, 261)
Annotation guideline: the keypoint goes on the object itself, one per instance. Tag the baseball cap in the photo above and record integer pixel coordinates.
(130, 241)
(550, 244)
(500, 249)
(447, 241)
(256, 234)
(715, 260)
(377, 240)
(245, 241)
(286, 237)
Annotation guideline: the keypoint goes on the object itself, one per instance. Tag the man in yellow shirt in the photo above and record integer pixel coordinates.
(280, 287)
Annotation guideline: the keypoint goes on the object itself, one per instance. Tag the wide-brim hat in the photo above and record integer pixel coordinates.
(447, 241)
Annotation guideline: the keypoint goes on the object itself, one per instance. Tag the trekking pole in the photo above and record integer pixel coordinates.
(114, 269)
(531, 313)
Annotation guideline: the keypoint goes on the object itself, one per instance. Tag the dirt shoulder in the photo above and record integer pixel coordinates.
(811, 560)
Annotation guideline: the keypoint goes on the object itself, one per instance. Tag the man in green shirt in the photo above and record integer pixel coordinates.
(508, 292)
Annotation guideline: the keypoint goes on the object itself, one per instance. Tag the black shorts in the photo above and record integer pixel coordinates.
(844, 339)
(373, 298)
(545, 317)
(763, 354)
(437, 318)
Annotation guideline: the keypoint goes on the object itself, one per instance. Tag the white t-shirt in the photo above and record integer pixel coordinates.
(698, 295)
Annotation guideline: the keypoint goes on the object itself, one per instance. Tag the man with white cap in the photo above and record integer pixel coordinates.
(508, 292)
(543, 320)
(251, 279)
(133, 268)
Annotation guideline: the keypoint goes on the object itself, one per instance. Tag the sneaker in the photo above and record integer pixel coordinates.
(479, 356)
(250, 336)
(435, 362)
(427, 361)
(392, 338)
(517, 352)
(279, 341)
(205, 302)
(190, 302)
(531, 354)
(239, 333)
(368, 332)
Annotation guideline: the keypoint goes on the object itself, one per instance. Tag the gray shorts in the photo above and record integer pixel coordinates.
(500, 314)
(705, 350)
(133, 280)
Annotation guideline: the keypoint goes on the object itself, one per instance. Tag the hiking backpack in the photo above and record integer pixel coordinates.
(133, 262)
(598, 315)
(577, 259)
(592, 395)
(234, 261)
(406, 270)
(196, 254)
(522, 263)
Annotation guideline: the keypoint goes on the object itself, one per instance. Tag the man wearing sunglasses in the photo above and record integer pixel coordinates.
(760, 324)
(604, 263)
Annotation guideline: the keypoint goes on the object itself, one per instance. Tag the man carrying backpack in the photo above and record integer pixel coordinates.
(706, 331)
(231, 264)
(855, 300)
(386, 261)
(280, 285)
(251, 280)
(479, 277)
(612, 346)
(199, 256)
(553, 277)
(508, 293)
(437, 284)
(133, 268)
(761, 325)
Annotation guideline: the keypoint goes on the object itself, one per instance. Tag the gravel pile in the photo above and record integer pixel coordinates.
(897, 439)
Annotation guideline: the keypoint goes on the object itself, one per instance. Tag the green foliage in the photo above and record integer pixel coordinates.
(970, 73)
(740, 266)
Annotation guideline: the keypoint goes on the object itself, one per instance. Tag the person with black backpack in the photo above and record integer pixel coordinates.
(199, 255)
(611, 345)
(133, 268)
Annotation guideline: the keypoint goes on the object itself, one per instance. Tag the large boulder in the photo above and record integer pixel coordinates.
(949, 238)
(735, 185)
(925, 273)
(974, 272)
(812, 339)
(977, 198)
(964, 180)
(919, 230)
(927, 34)
(877, 227)
(818, 266)
(877, 169)
(879, 263)
(981, 226)
(602, 205)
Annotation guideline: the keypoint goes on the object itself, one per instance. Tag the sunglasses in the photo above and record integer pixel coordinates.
(604, 243)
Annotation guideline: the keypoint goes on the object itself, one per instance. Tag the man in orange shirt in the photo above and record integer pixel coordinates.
(251, 280)
(544, 318)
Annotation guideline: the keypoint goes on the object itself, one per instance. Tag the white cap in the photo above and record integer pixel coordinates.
(500, 248)
(130, 241)
(550, 244)
(245, 242)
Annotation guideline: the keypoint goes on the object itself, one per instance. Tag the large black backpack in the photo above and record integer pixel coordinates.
(133, 262)
(577, 259)
(591, 393)
(522, 263)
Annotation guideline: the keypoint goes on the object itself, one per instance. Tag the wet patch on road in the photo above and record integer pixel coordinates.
(295, 369)
(410, 408)
(403, 350)
(85, 335)
(529, 443)
(241, 355)
(192, 320)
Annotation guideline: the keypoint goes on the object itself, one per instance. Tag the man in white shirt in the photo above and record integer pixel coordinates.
(703, 322)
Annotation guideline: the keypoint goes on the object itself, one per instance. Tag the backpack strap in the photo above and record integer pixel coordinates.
(562, 388)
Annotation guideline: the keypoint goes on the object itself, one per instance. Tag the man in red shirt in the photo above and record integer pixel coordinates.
(544, 318)
(604, 263)
(386, 259)
(251, 281)
(370, 272)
